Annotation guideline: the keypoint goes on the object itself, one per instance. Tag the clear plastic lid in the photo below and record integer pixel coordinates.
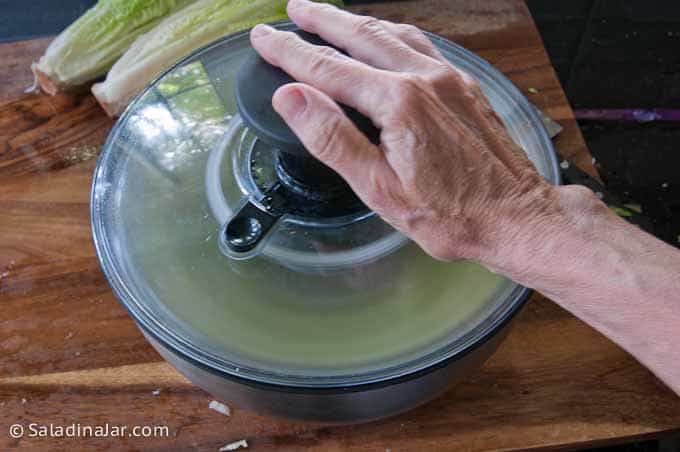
(340, 303)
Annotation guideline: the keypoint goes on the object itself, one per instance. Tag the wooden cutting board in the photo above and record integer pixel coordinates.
(70, 354)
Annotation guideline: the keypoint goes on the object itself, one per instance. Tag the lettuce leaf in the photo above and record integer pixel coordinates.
(91, 44)
(176, 36)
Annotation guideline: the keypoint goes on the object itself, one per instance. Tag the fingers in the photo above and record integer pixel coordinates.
(346, 80)
(414, 38)
(364, 38)
(330, 136)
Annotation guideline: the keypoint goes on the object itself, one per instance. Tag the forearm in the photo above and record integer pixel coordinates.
(612, 275)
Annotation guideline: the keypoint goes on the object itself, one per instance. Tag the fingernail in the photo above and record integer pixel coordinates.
(261, 30)
(290, 103)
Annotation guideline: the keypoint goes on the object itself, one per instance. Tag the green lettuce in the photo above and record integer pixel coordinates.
(177, 36)
(90, 45)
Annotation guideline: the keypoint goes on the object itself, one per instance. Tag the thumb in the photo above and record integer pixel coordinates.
(327, 133)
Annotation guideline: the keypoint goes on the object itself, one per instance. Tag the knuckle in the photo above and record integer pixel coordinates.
(410, 31)
(327, 52)
(288, 39)
(318, 65)
(446, 77)
(403, 135)
(464, 79)
(367, 26)
(320, 61)
(444, 72)
(415, 37)
(409, 88)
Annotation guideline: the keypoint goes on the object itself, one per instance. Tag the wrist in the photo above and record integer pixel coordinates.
(529, 232)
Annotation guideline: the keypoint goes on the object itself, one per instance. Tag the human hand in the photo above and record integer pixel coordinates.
(446, 172)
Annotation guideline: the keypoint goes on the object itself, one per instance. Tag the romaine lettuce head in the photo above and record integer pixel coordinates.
(178, 35)
(90, 45)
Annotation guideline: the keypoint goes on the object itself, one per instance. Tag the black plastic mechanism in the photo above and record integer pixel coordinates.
(306, 187)
(256, 82)
(248, 227)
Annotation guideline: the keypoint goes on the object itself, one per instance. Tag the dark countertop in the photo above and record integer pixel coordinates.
(623, 54)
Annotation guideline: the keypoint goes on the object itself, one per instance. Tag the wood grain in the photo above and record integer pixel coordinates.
(15, 73)
(70, 354)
